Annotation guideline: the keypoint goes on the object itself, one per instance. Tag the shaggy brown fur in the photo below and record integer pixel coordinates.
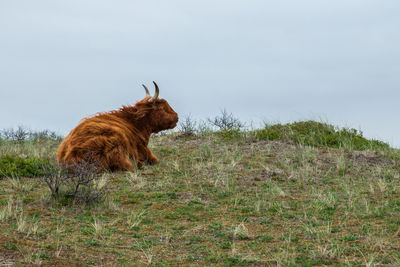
(114, 139)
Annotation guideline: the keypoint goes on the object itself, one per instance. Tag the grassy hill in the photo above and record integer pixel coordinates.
(300, 194)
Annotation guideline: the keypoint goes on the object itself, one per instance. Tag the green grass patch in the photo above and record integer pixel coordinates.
(16, 166)
(314, 133)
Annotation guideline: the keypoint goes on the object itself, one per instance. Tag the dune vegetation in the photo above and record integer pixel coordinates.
(298, 194)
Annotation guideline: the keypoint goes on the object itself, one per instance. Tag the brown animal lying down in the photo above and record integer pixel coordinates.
(114, 139)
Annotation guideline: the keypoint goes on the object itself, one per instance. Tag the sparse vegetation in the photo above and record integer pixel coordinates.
(301, 194)
(24, 134)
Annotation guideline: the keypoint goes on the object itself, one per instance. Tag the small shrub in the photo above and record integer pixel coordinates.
(16, 135)
(82, 185)
(16, 166)
(187, 126)
(313, 133)
(226, 122)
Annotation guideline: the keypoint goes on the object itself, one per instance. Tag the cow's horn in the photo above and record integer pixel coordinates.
(156, 94)
(147, 90)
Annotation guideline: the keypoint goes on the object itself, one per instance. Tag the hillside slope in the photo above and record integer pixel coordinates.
(215, 199)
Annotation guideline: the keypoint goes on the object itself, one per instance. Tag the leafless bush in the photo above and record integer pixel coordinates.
(19, 134)
(5, 134)
(187, 126)
(226, 122)
(55, 176)
(82, 185)
(22, 134)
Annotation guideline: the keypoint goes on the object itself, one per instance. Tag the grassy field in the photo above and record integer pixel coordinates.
(226, 198)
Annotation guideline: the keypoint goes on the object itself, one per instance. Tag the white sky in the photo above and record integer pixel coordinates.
(280, 61)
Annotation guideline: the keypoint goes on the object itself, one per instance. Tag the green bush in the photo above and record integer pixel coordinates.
(16, 166)
(313, 133)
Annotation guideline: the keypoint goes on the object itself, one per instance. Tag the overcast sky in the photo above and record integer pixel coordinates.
(280, 61)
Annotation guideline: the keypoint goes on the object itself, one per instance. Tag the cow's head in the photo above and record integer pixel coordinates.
(159, 115)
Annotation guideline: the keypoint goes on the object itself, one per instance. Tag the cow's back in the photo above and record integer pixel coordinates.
(93, 140)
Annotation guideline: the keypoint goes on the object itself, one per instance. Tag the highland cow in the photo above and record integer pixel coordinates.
(115, 140)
